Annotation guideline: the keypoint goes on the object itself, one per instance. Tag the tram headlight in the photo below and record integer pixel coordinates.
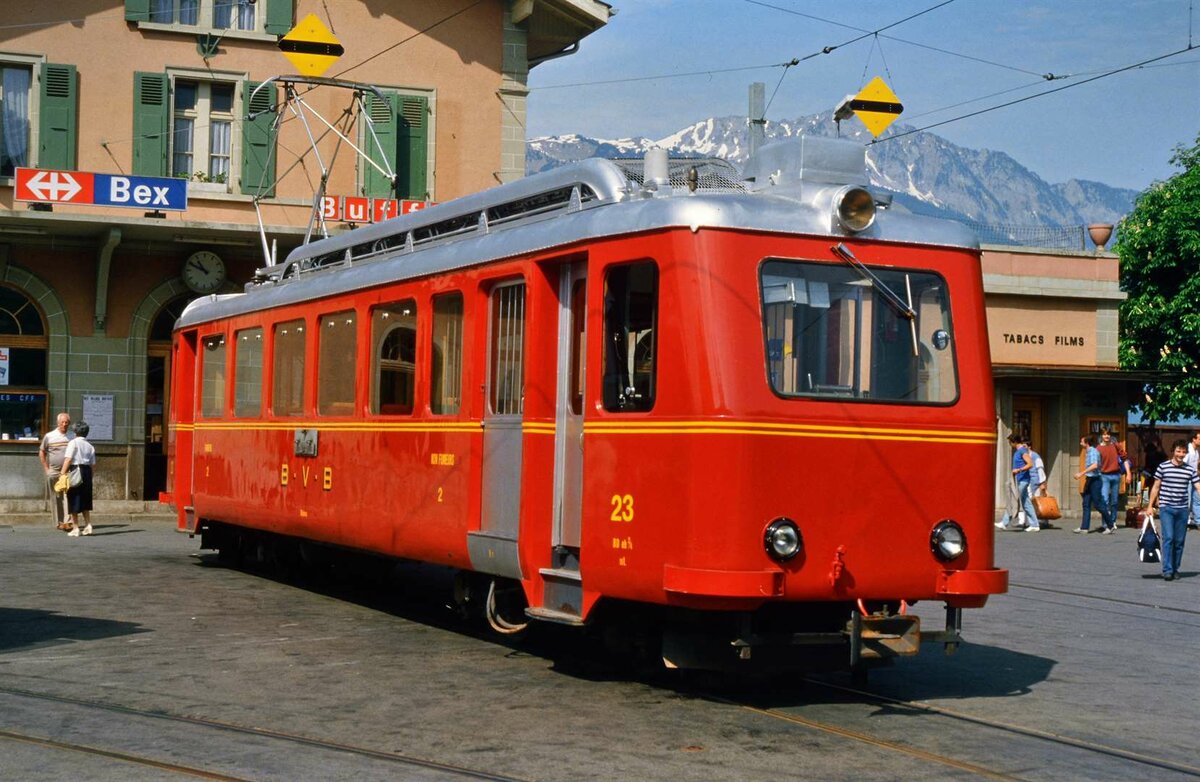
(855, 209)
(782, 539)
(948, 541)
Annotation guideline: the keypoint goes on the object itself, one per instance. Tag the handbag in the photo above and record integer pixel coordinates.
(1148, 546)
(1047, 508)
(75, 476)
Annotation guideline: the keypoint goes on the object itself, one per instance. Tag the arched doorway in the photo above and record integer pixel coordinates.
(24, 345)
(158, 383)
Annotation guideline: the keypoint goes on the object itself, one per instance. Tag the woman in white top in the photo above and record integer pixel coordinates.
(81, 454)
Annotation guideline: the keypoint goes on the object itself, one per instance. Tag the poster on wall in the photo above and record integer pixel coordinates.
(3, 366)
(98, 412)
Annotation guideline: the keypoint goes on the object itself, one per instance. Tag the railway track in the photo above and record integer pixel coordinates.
(1103, 599)
(390, 764)
(1136, 759)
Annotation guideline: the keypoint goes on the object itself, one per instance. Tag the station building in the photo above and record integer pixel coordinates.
(144, 91)
(1052, 330)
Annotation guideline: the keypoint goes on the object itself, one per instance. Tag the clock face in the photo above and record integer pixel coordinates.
(204, 272)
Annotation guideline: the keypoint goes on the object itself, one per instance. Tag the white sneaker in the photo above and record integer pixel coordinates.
(1001, 525)
(87, 530)
(73, 533)
(1033, 529)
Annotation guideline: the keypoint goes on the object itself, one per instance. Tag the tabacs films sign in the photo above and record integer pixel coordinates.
(47, 186)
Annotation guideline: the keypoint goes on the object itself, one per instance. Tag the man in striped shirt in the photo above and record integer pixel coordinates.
(1174, 480)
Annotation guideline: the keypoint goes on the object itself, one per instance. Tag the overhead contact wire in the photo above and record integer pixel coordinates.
(1104, 75)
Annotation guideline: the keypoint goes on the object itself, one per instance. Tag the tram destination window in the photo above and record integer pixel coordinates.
(247, 373)
(630, 326)
(446, 370)
(394, 352)
(287, 388)
(833, 332)
(212, 377)
(337, 363)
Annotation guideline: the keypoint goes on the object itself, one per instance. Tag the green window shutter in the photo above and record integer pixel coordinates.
(151, 107)
(137, 10)
(58, 127)
(279, 17)
(383, 116)
(413, 137)
(258, 141)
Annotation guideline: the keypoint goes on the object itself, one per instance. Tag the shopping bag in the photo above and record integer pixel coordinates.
(1148, 546)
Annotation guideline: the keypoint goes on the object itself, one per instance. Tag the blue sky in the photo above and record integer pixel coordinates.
(1120, 130)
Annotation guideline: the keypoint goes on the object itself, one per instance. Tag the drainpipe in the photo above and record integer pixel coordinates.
(102, 269)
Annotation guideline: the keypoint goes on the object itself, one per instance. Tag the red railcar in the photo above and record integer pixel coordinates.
(751, 414)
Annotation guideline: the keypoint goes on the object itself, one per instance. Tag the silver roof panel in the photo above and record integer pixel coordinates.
(800, 204)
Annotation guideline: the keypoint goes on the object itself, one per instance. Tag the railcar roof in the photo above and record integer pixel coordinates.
(790, 192)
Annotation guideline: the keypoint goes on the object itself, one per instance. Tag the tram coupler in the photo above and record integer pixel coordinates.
(951, 637)
(876, 637)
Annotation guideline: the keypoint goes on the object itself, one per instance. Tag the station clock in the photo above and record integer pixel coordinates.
(204, 271)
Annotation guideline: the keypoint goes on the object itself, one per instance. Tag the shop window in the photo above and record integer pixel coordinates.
(212, 377)
(337, 345)
(394, 352)
(446, 370)
(287, 392)
(23, 349)
(247, 373)
(630, 353)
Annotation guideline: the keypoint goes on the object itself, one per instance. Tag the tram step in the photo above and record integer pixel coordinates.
(558, 617)
(561, 574)
(562, 590)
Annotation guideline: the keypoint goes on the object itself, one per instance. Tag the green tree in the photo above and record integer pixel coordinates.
(1159, 246)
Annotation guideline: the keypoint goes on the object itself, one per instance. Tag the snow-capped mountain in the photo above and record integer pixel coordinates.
(927, 173)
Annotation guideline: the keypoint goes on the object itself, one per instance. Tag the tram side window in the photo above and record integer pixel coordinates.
(446, 371)
(247, 373)
(287, 389)
(336, 362)
(630, 325)
(394, 348)
(508, 350)
(832, 332)
(212, 377)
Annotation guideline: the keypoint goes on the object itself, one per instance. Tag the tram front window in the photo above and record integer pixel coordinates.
(833, 332)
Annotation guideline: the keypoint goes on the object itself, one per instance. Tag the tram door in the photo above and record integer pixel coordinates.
(494, 550)
(568, 437)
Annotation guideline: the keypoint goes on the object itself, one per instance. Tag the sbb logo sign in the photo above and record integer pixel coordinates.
(83, 187)
(359, 209)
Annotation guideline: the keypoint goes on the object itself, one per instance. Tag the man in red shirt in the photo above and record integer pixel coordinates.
(1111, 470)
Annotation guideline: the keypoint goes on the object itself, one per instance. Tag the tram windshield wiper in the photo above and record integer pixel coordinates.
(903, 306)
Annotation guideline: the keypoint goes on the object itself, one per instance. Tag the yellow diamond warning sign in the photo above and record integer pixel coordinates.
(311, 46)
(877, 106)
